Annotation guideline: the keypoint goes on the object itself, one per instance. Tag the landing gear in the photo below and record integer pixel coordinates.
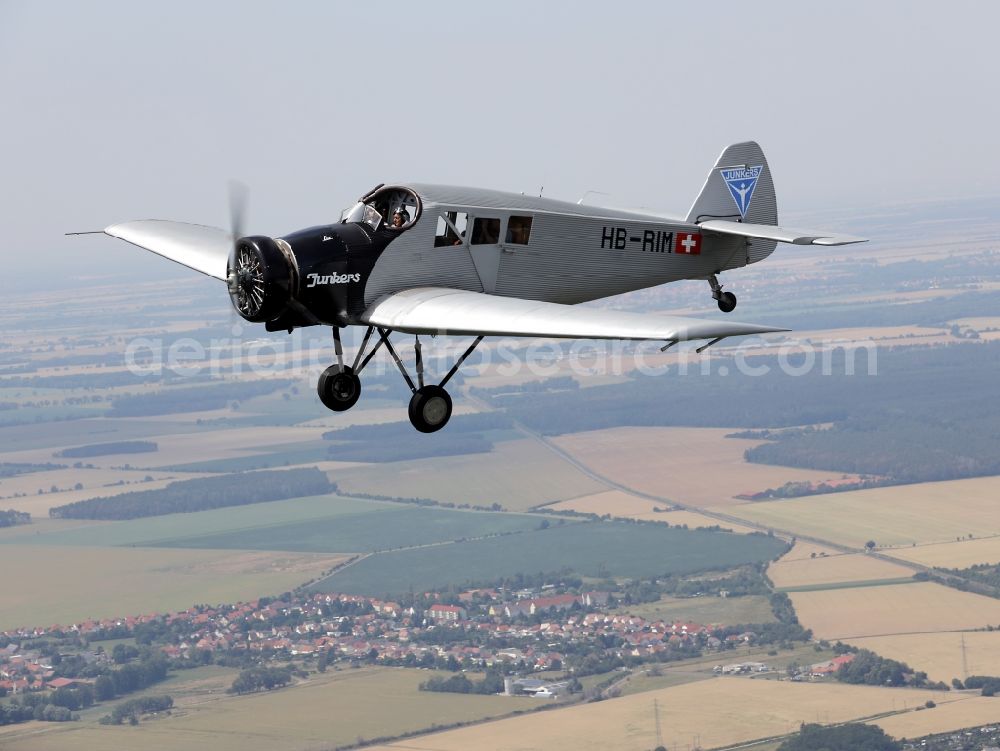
(430, 409)
(339, 388)
(430, 406)
(726, 300)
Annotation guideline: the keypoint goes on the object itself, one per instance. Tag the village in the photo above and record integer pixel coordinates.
(521, 632)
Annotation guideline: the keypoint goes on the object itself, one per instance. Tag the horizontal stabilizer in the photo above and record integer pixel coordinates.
(780, 234)
(437, 310)
(204, 249)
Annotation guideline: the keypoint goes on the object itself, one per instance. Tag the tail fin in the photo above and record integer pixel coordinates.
(739, 188)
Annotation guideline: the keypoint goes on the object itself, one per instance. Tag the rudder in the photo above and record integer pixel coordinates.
(739, 188)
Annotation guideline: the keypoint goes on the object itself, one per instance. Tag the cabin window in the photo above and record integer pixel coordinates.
(518, 230)
(451, 228)
(485, 231)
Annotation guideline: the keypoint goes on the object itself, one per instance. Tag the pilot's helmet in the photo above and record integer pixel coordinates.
(401, 211)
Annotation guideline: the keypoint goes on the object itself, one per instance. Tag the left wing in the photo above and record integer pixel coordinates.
(438, 310)
(204, 249)
(779, 234)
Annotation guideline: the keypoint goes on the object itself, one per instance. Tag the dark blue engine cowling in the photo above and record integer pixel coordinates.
(333, 265)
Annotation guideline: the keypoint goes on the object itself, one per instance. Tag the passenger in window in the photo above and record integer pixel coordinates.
(400, 217)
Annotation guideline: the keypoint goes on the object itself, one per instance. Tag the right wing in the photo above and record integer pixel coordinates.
(204, 249)
(439, 310)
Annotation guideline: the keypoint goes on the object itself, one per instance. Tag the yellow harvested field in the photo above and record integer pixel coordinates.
(798, 568)
(94, 482)
(372, 416)
(940, 655)
(516, 474)
(325, 712)
(953, 554)
(692, 466)
(627, 506)
(185, 448)
(955, 715)
(892, 609)
(65, 584)
(714, 712)
(897, 516)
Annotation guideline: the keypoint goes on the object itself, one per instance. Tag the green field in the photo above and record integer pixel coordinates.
(378, 528)
(325, 712)
(331, 524)
(599, 549)
(705, 610)
(154, 530)
(516, 474)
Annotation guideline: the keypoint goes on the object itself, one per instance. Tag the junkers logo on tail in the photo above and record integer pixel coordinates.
(741, 182)
(317, 279)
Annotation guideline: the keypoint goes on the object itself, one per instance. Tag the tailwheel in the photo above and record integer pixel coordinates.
(727, 302)
(430, 409)
(339, 388)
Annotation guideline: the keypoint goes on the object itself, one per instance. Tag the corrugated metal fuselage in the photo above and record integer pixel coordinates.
(574, 253)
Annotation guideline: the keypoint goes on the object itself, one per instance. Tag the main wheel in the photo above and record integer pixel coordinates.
(727, 302)
(339, 388)
(430, 409)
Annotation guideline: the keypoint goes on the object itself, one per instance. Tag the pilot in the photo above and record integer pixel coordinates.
(400, 217)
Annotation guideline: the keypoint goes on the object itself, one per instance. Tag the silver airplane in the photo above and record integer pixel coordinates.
(439, 259)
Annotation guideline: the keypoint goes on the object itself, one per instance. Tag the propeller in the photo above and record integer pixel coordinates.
(246, 272)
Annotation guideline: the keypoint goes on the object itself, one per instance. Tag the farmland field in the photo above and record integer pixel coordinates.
(893, 609)
(705, 610)
(67, 584)
(798, 568)
(327, 711)
(711, 713)
(953, 554)
(628, 506)
(692, 466)
(153, 530)
(972, 711)
(940, 654)
(480, 479)
(900, 515)
(38, 505)
(377, 528)
(588, 548)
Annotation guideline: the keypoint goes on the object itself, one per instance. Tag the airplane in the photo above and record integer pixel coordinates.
(438, 259)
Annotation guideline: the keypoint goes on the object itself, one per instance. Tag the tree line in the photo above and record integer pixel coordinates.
(203, 493)
(132, 709)
(260, 679)
(103, 449)
(192, 399)
(11, 517)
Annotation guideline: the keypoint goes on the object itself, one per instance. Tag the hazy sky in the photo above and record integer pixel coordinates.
(116, 111)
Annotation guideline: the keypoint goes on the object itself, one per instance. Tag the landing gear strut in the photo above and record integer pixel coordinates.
(430, 405)
(726, 300)
(339, 387)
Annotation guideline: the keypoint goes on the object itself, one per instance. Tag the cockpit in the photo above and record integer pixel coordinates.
(385, 207)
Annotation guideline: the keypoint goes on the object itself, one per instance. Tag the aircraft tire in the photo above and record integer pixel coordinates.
(727, 302)
(430, 409)
(339, 388)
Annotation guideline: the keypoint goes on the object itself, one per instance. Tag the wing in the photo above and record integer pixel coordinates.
(780, 234)
(436, 310)
(204, 249)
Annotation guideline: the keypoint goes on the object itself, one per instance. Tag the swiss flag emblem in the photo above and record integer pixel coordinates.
(688, 244)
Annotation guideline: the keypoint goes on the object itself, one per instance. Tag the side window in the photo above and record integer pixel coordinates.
(451, 228)
(485, 231)
(518, 230)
